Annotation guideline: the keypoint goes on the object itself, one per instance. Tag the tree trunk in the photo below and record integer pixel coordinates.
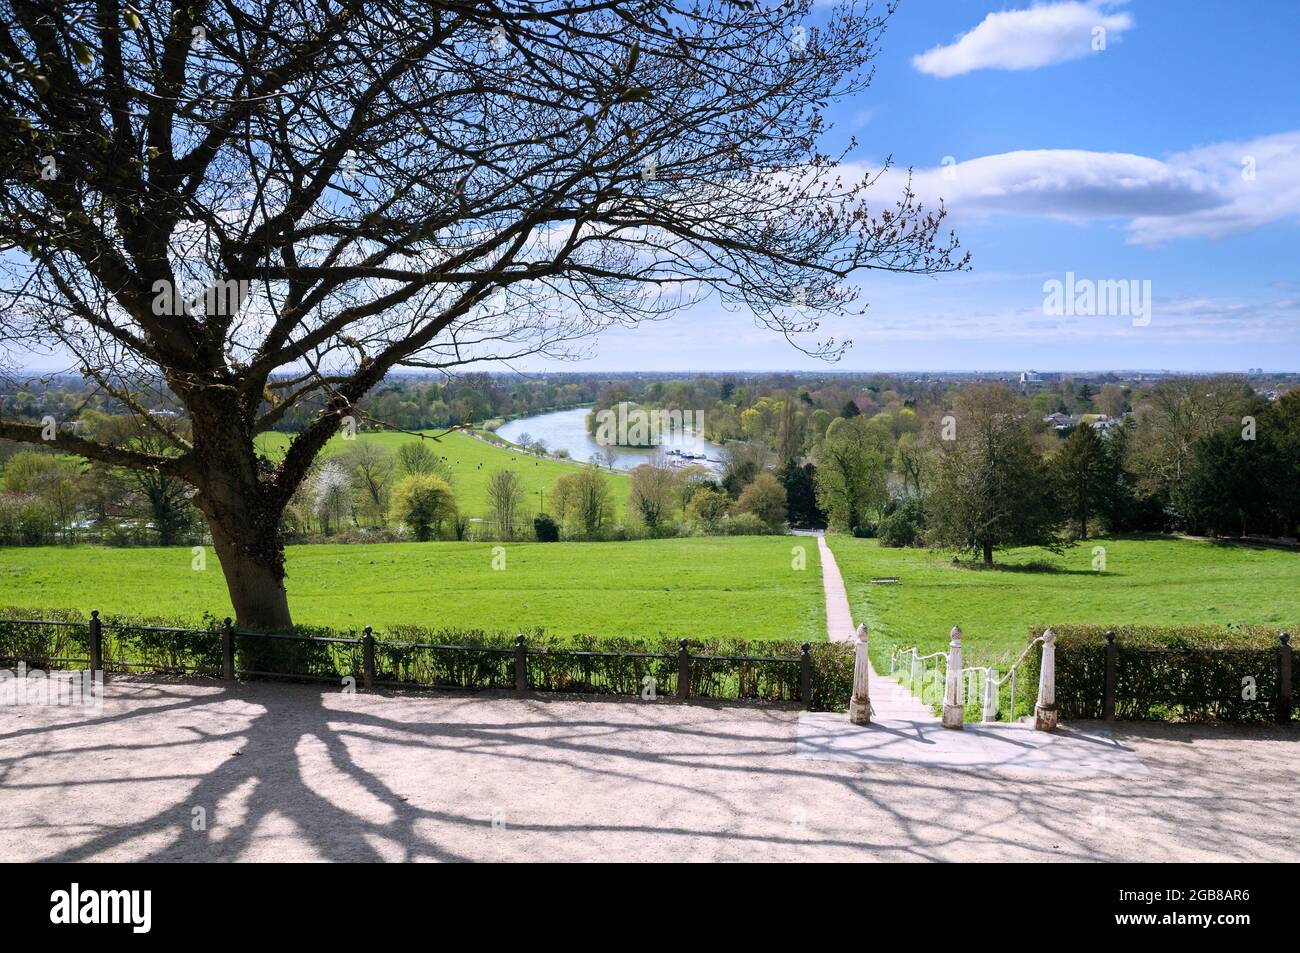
(253, 565)
(243, 514)
(988, 554)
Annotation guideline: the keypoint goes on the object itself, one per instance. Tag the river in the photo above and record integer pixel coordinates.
(567, 430)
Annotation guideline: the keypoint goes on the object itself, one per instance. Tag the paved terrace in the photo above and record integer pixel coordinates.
(293, 772)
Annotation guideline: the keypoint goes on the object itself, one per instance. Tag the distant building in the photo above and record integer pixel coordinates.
(1059, 421)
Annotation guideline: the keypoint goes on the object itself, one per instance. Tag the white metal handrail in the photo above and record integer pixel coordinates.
(916, 673)
(970, 682)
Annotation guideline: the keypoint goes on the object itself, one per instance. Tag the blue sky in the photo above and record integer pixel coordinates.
(1128, 162)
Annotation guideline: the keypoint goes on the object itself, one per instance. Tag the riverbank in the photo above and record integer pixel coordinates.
(567, 430)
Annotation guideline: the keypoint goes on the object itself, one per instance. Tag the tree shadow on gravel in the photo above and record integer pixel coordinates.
(300, 773)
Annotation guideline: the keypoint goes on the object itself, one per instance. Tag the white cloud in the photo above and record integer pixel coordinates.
(1208, 192)
(1257, 181)
(1026, 39)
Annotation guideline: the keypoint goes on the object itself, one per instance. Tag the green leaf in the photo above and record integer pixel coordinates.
(634, 94)
(132, 20)
(83, 54)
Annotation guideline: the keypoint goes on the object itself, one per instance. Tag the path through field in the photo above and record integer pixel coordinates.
(903, 731)
(839, 620)
(890, 701)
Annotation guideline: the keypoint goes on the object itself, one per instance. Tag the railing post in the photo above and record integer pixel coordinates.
(683, 671)
(953, 713)
(521, 664)
(1011, 716)
(990, 695)
(805, 676)
(96, 643)
(227, 650)
(917, 675)
(1112, 669)
(1045, 710)
(368, 659)
(1284, 684)
(860, 700)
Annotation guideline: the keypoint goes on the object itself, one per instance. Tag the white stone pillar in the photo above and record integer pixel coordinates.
(860, 703)
(1045, 710)
(990, 694)
(952, 695)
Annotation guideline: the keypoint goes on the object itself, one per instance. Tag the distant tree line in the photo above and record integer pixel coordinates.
(976, 468)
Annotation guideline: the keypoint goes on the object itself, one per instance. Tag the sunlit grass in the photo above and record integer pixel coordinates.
(740, 586)
(1146, 581)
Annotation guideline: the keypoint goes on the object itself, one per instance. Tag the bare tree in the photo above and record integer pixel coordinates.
(372, 470)
(1180, 412)
(259, 204)
(505, 492)
(416, 458)
(652, 492)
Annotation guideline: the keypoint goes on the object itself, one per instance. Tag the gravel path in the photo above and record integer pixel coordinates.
(290, 772)
(839, 620)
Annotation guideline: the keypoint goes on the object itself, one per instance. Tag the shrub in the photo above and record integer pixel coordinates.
(1166, 673)
(723, 668)
(745, 524)
(708, 508)
(865, 530)
(423, 501)
(546, 529)
(765, 498)
(904, 525)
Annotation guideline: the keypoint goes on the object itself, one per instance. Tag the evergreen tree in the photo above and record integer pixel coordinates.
(1083, 480)
(801, 495)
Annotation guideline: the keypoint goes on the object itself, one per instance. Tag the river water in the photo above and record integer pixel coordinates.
(567, 430)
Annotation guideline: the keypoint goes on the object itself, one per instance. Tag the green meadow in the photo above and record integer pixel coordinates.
(1147, 581)
(737, 586)
(472, 461)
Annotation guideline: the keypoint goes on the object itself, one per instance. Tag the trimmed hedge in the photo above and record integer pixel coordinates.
(415, 656)
(1166, 673)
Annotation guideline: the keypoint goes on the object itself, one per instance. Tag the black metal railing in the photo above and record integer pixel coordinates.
(223, 651)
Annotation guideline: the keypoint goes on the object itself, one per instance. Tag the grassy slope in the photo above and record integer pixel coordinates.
(472, 462)
(739, 586)
(1148, 581)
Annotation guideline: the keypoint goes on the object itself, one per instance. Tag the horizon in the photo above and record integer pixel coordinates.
(831, 370)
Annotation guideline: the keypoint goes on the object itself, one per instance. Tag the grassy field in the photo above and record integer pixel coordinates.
(738, 586)
(472, 461)
(1147, 581)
